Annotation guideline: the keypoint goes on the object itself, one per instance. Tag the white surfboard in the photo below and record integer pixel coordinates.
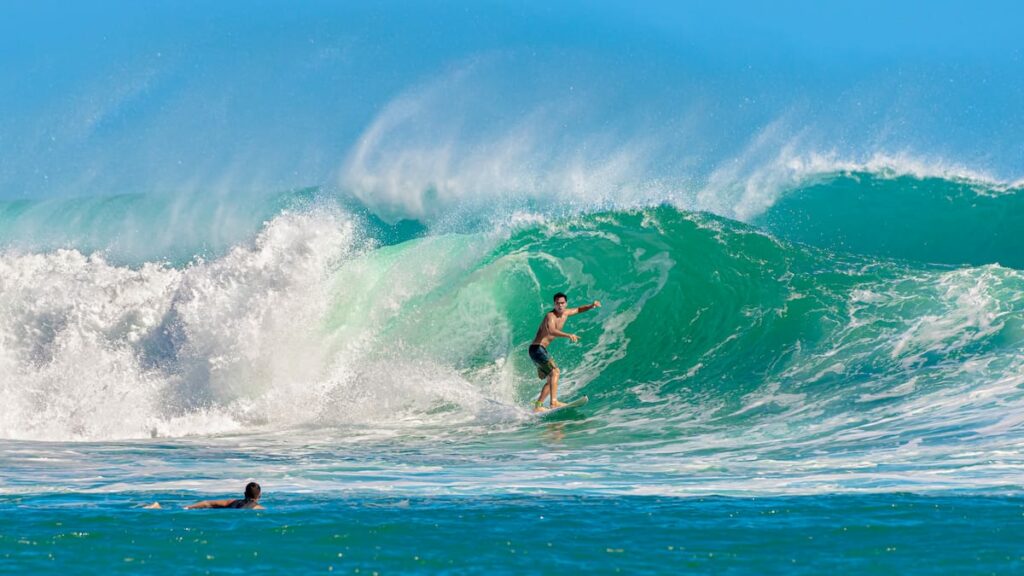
(574, 404)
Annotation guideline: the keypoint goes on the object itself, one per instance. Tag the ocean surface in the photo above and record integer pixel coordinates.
(311, 251)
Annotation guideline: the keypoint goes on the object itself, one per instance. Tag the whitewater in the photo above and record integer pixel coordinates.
(334, 353)
(716, 337)
(310, 248)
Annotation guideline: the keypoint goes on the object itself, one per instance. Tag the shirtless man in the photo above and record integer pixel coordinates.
(551, 328)
(251, 500)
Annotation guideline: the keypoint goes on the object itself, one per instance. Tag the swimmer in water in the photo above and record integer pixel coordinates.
(251, 500)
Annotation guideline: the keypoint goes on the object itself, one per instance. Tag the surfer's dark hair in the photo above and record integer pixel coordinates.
(559, 295)
(252, 491)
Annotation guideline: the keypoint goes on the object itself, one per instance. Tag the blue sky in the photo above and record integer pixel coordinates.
(114, 97)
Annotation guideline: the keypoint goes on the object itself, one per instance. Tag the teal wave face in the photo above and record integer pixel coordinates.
(707, 325)
(931, 220)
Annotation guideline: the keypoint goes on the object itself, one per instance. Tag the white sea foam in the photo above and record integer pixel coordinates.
(90, 350)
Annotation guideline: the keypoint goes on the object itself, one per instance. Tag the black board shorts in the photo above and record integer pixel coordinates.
(545, 363)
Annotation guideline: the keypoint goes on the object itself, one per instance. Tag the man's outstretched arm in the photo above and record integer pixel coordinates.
(596, 304)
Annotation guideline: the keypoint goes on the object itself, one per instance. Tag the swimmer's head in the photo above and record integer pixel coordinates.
(252, 491)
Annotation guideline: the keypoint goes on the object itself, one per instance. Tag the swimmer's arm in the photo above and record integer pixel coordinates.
(209, 504)
(596, 304)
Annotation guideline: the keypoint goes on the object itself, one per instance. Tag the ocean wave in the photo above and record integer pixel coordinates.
(948, 220)
(708, 326)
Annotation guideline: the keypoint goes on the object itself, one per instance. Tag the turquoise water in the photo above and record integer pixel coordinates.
(308, 246)
(758, 404)
(536, 534)
(410, 505)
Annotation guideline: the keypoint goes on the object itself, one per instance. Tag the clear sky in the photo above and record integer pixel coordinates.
(113, 97)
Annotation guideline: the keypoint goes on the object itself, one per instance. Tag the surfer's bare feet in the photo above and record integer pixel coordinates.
(539, 409)
(557, 404)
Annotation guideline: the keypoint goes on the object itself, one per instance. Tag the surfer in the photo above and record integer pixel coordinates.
(250, 501)
(551, 328)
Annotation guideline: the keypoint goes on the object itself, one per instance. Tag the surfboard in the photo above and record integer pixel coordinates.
(574, 404)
